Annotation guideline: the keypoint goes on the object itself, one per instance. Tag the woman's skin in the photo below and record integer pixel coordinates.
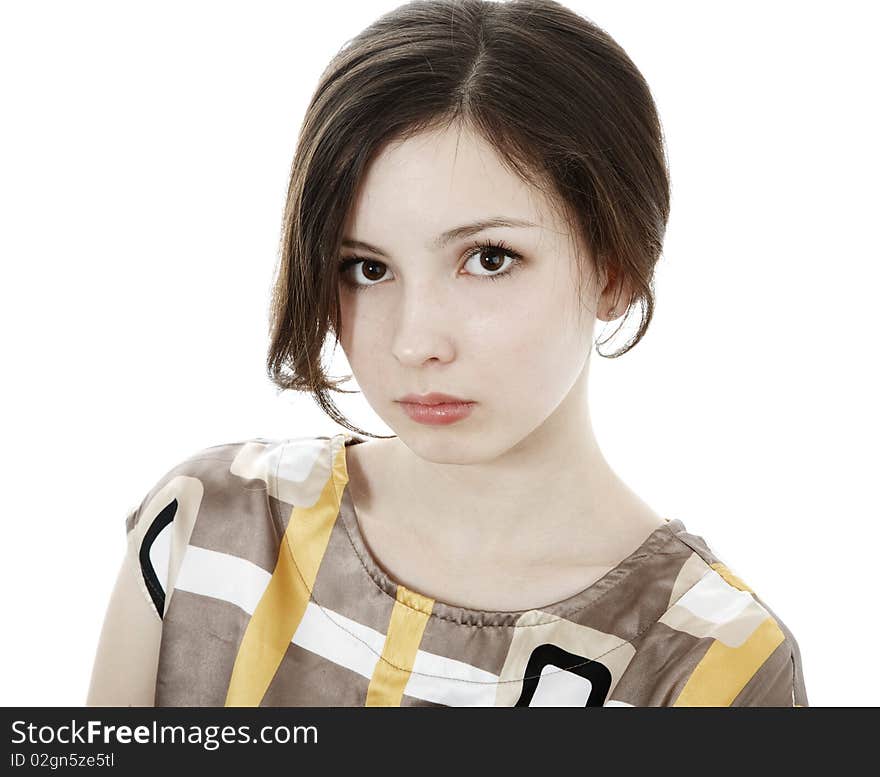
(515, 506)
(127, 658)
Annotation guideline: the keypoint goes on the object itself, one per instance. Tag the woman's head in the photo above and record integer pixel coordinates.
(439, 115)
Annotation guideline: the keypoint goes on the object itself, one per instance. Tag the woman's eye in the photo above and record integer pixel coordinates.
(489, 261)
(485, 261)
(370, 270)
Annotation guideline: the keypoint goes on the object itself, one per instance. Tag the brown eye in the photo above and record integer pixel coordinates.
(492, 256)
(492, 261)
(369, 269)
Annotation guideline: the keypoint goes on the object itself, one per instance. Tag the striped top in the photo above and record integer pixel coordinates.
(251, 557)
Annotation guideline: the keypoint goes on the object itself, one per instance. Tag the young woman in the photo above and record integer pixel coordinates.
(475, 185)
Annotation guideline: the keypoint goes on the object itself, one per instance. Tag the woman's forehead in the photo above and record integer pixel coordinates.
(442, 178)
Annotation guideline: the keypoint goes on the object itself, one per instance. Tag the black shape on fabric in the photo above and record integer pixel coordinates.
(154, 586)
(553, 655)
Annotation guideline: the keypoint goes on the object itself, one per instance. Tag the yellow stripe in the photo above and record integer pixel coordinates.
(729, 577)
(408, 618)
(283, 603)
(724, 671)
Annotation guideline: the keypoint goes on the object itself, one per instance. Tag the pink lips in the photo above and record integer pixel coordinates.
(436, 409)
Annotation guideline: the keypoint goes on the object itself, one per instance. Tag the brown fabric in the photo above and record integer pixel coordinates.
(251, 554)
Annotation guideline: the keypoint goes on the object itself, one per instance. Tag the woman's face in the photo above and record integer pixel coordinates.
(496, 326)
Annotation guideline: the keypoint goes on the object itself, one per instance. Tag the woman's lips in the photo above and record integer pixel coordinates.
(439, 414)
(433, 398)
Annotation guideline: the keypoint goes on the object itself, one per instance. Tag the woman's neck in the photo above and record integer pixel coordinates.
(535, 504)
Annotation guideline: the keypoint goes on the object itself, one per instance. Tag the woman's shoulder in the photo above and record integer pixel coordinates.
(186, 478)
(223, 505)
(748, 656)
(233, 465)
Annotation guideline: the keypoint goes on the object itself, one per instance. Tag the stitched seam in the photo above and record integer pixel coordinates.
(499, 681)
(552, 619)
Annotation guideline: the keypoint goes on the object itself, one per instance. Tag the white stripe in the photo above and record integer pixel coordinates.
(222, 576)
(242, 583)
(332, 635)
(713, 599)
(448, 681)
(339, 639)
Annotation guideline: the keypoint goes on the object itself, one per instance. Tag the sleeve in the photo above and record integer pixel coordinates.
(779, 682)
(158, 531)
(126, 657)
(755, 660)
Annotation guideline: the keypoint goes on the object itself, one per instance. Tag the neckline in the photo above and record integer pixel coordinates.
(659, 540)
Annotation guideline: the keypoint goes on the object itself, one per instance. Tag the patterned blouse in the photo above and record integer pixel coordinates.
(250, 556)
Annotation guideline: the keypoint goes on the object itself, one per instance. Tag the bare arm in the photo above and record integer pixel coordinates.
(124, 673)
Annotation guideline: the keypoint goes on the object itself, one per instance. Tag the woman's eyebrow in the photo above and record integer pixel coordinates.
(450, 234)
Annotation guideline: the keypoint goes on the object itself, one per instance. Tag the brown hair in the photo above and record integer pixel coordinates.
(560, 101)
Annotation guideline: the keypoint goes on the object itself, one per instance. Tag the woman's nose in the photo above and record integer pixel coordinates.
(424, 328)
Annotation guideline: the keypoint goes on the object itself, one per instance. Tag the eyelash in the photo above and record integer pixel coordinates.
(484, 245)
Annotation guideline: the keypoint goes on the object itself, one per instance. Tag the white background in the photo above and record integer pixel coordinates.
(144, 157)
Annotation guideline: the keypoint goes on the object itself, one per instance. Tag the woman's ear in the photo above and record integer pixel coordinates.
(615, 297)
